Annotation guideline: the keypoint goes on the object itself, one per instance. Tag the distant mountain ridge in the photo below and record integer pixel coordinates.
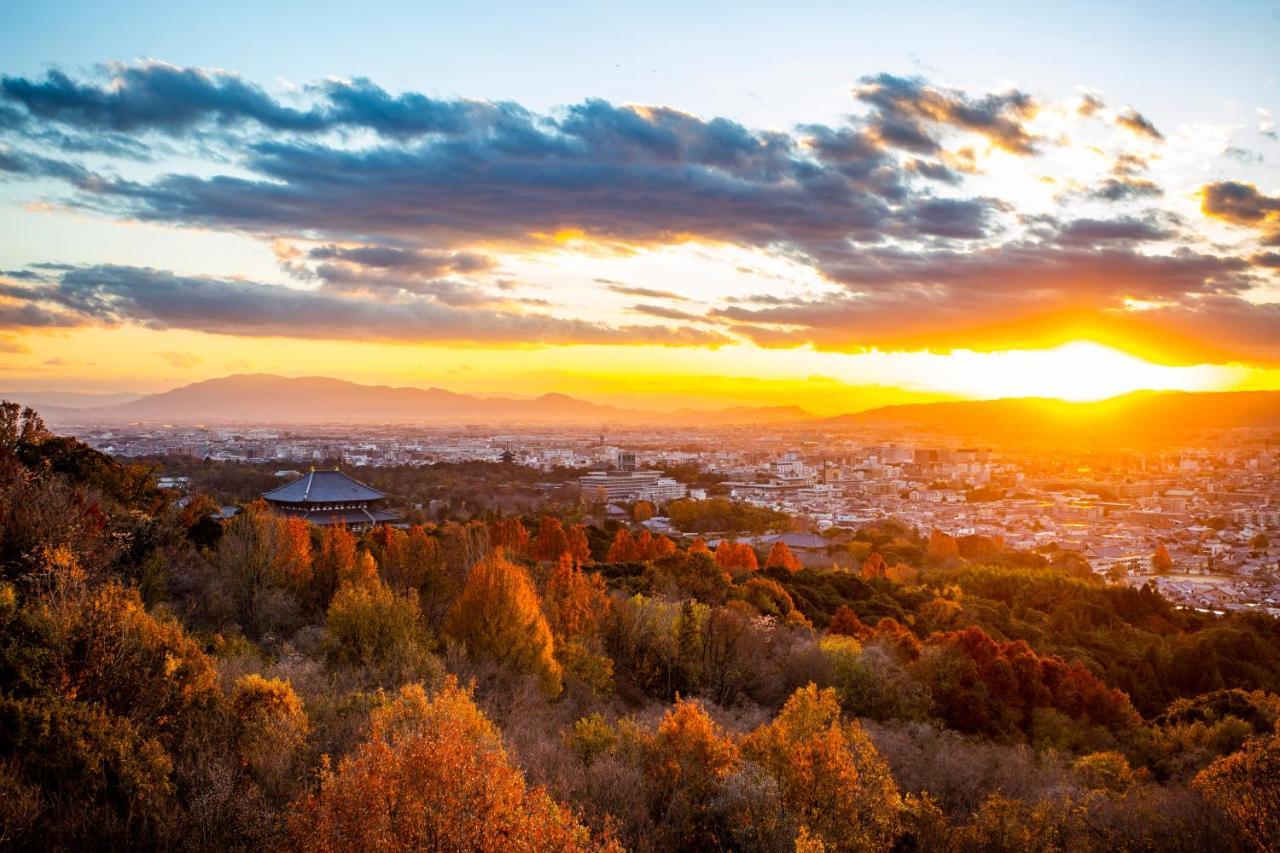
(1141, 413)
(266, 398)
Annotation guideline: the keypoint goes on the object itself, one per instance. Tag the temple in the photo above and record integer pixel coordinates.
(331, 497)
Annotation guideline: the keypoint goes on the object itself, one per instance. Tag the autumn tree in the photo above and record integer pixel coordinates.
(433, 775)
(335, 560)
(1161, 562)
(737, 557)
(575, 601)
(780, 556)
(498, 617)
(272, 730)
(689, 760)
(699, 546)
(551, 540)
(579, 545)
(510, 535)
(942, 548)
(623, 549)
(873, 568)
(642, 511)
(831, 781)
(372, 627)
(1245, 785)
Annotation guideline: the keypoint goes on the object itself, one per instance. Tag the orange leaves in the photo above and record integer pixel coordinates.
(551, 541)
(433, 775)
(699, 546)
(1161, 561)
(510, 535)
(498, 617)
(942, 548)
(873, 568)
(736, 557)
(640, 548)
(780, 556)
(575, 601)
(1246, 787)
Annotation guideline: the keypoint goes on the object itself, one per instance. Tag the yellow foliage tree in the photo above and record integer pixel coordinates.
(498, 617)
(832, 782)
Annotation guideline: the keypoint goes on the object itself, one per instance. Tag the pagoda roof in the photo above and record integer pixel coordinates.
(323, 487)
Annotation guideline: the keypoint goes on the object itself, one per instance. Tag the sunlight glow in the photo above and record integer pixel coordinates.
(1079, 371)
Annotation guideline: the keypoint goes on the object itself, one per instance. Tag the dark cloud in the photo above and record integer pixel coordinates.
(642, 292)
(1138, 124)
(1125, 189)
(1242, 204)
(416, 262)
(907, 111)
(665, 313)
(1092, 232)
(113, 295)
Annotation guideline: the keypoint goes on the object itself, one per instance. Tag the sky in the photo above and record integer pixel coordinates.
(835, 205)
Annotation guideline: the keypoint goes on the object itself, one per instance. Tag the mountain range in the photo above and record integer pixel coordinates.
(268, 399)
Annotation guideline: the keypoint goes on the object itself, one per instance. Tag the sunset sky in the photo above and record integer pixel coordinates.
(659, 204)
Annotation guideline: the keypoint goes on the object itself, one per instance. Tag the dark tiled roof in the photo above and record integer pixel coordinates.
(323, 487)
(348, 516)
(798, 540)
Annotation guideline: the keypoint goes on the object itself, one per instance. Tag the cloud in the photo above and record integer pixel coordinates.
(1138, 124)
(11, 344)
(907, 110)
(665, 313)
(180, 360)
(395, 214)
(114, 295)
(642, 292)
(1242, 204)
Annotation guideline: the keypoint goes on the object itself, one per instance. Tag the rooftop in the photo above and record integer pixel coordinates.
(323, 487)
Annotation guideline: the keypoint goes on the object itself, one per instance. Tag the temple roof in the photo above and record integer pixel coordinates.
(323, 487)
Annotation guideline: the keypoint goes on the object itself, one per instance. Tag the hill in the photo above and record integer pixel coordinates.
(1142, 414)
(265, 398)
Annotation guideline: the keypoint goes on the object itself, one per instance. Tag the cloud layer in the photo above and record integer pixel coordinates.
(392, 214)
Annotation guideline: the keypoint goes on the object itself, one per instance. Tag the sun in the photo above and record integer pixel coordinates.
(1081, 371)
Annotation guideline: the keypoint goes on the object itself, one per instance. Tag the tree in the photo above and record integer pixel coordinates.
(780, 556)
(273, 728)
(831, 781)
(942, 548)
(510, 535)
(873, 568)
(551, 540)
(623, 549)
(371, 626)
(642, 511)
(736, 556)
(575, 601)
(699, 546)
(335, 561)
(498, 617)
(689, 760)
(433, 775)
(1161, 562)
(1245, 785)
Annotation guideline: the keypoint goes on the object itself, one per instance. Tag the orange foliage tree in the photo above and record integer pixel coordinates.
(781, 557)
(942, 548)
(689, 760)
(1245, 785)
(736, 556)
(699, 546)
(575, 601)
(873, 568)
(433, 775)
(335, 561)
(498, 617)
(510, 535)
(551, 540)
(1161, 561)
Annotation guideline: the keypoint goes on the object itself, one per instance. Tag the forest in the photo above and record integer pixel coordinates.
(536, 680)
